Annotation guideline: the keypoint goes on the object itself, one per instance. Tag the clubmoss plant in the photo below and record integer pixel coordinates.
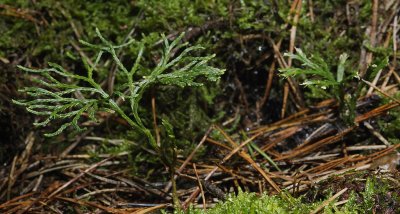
(317, 76)
(54, 99)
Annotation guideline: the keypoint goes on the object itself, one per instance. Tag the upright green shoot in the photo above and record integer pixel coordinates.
(317, 76)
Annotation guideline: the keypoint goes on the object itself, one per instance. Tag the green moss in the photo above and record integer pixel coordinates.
(252, 204)
(53, 31)
(189, 112)
(378, 196)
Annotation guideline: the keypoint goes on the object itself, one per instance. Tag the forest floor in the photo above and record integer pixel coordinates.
(305, 117)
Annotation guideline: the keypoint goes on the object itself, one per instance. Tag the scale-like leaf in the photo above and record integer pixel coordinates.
(54, 99)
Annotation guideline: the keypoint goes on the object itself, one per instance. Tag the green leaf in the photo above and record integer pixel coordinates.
(340, 70)
(168, 128)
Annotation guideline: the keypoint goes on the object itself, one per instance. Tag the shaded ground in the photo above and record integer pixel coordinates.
(254, 131)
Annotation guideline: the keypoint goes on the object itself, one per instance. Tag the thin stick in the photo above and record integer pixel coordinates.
(88, 203)
(247, 157)
(285, 98)
(320, 207)
(293, 30)
(311, 9)
(376, 134)
(200, 186)
(374, 82)
(382, 92)
(227, 157)
(368, 58)
(267, 91)
(394, 61)
(110, 190)
(292, 83)
(369, 147)
(77, 177)
(11, 177)
(310, 148)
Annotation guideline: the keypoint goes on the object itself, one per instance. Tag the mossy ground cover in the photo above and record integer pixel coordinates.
(309, 92)
(362, 196)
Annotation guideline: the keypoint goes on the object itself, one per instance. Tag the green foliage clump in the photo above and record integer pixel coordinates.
(251, 203)
(170, 15)
(250, 13)
(54, 100)
(317, 75)
(374, 198)
(55, 24)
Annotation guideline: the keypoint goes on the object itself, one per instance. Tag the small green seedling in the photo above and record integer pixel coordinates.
(322, 82)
